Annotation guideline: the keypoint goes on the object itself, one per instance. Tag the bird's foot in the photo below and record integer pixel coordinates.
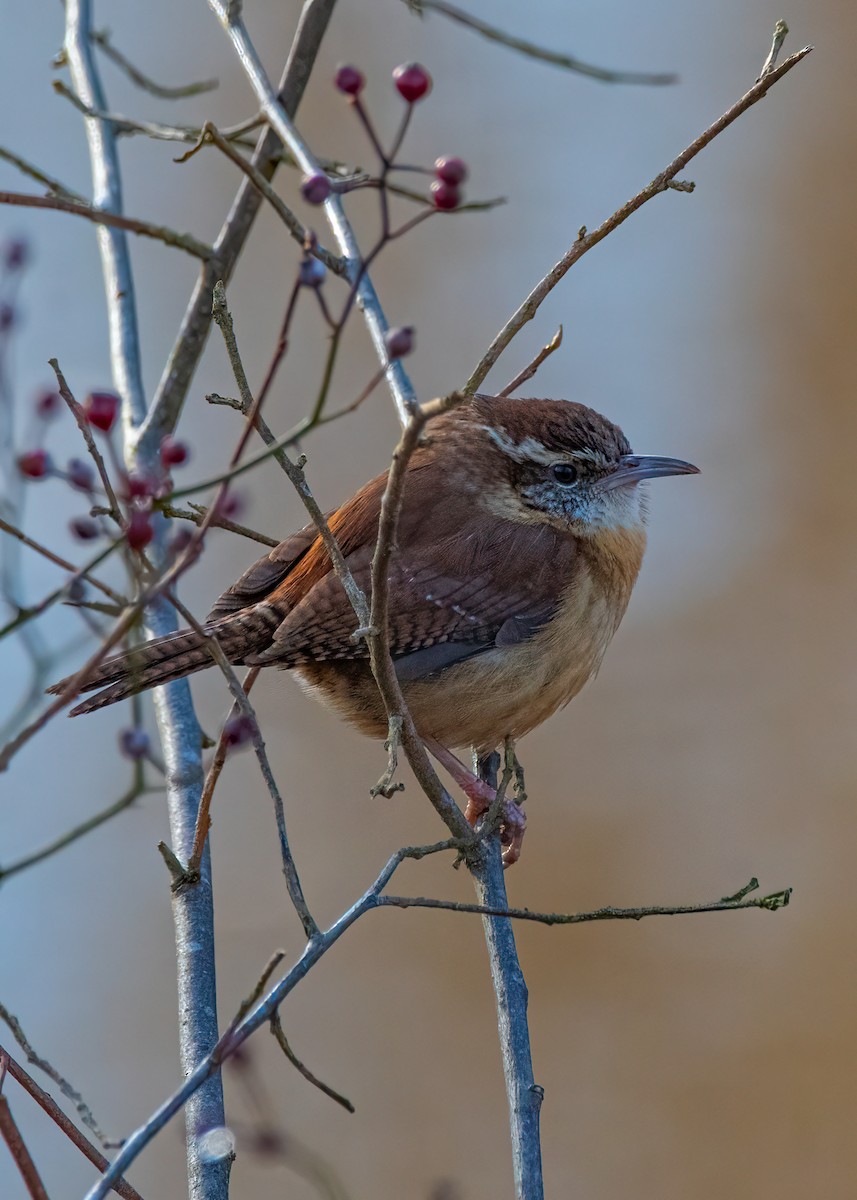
(482, 799)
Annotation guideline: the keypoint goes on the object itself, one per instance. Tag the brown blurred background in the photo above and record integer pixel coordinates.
(702, 1056)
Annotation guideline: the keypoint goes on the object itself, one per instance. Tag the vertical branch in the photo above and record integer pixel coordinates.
(193, 910)
(510, 991)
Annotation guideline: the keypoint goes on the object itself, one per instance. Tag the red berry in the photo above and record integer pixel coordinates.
(101, 409)
(134, 743)
(35, 464)
(349, 80)
(84, 528)
(173, 452)
(139, 532)
(399, 341)
(412, 82)
(238, 731)
(315, 189)
(451, 170)
(139, 486)
(48, 404)
(80, 475)
(446, 196)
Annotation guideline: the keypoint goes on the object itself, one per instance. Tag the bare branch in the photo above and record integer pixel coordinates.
(781, 32)
(50, 1106)
(530, 370)
(191, 338)
(279, 1034)
(53, 185)
(585, 241)
(102, 217)
(556, 59)
(198, 513)
(102, 40)
(11, 1135)
(280, 121)
(36, 1060)
(83, 425)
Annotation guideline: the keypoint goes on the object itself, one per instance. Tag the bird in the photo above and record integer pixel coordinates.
(521, 535)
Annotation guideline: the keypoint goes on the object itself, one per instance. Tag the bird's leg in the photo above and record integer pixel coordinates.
(480, 797)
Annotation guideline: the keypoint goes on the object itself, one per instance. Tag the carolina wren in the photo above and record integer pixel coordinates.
(520, 539)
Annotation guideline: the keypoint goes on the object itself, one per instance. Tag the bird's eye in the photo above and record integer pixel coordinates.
(564, 473)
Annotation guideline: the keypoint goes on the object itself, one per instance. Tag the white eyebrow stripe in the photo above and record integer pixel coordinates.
(532, 450)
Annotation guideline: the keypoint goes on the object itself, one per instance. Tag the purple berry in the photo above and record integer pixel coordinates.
(238, 731)
(349, 80)
(399, 341)
(80, 475)
(173, 452)
(311, 272)
(315, 189)
(101, 409)
(451, 170)
(231, 506)
(84, 528)
(8, 317)
(139, 486)
(446, 196)
(139, 532)
(134, 743)
(34, 464)
(412, 82)
(180, 540)
(15, 254)
(48, 404)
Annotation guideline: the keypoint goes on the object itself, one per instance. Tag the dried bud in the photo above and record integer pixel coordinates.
(80, 475)
(451, 170)
(412, 82)
(34, 464)
(239, 731)
(134, 743)
(101, 409)
(15, 254)
(446, 196)
(349, 80)
(315, 189)
(84, 528)
(399, 341)
(173, 452)
(139, 532)
(312, 272)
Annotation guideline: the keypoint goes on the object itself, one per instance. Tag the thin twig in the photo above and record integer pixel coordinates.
(585, 241)
(137, 789)
(280, 1035)
(531, 50)
(235, 1035)
(161, 233)
(781, 32)
(530, 370)
(83, 425)
(280, 121)
(81, 572)
(50, 1106)
(210, 134)
(53, 185)
(36, 1060)
(190, 341)
(11, 1135)
(197, 514)
(102, 40)
(770, 903)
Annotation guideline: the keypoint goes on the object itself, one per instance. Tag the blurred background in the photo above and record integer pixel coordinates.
(703, 1056)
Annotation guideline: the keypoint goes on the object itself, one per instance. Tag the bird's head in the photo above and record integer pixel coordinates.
(555, 462)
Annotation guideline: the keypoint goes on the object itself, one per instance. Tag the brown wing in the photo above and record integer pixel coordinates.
(265, 575)
(459, 588)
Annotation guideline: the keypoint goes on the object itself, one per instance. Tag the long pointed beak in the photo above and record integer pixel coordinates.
(635, 467)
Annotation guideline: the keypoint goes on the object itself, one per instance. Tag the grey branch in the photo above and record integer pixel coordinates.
(191, 338)
(280, 121)
(531, 50)
(102, 40)
(585, 241)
